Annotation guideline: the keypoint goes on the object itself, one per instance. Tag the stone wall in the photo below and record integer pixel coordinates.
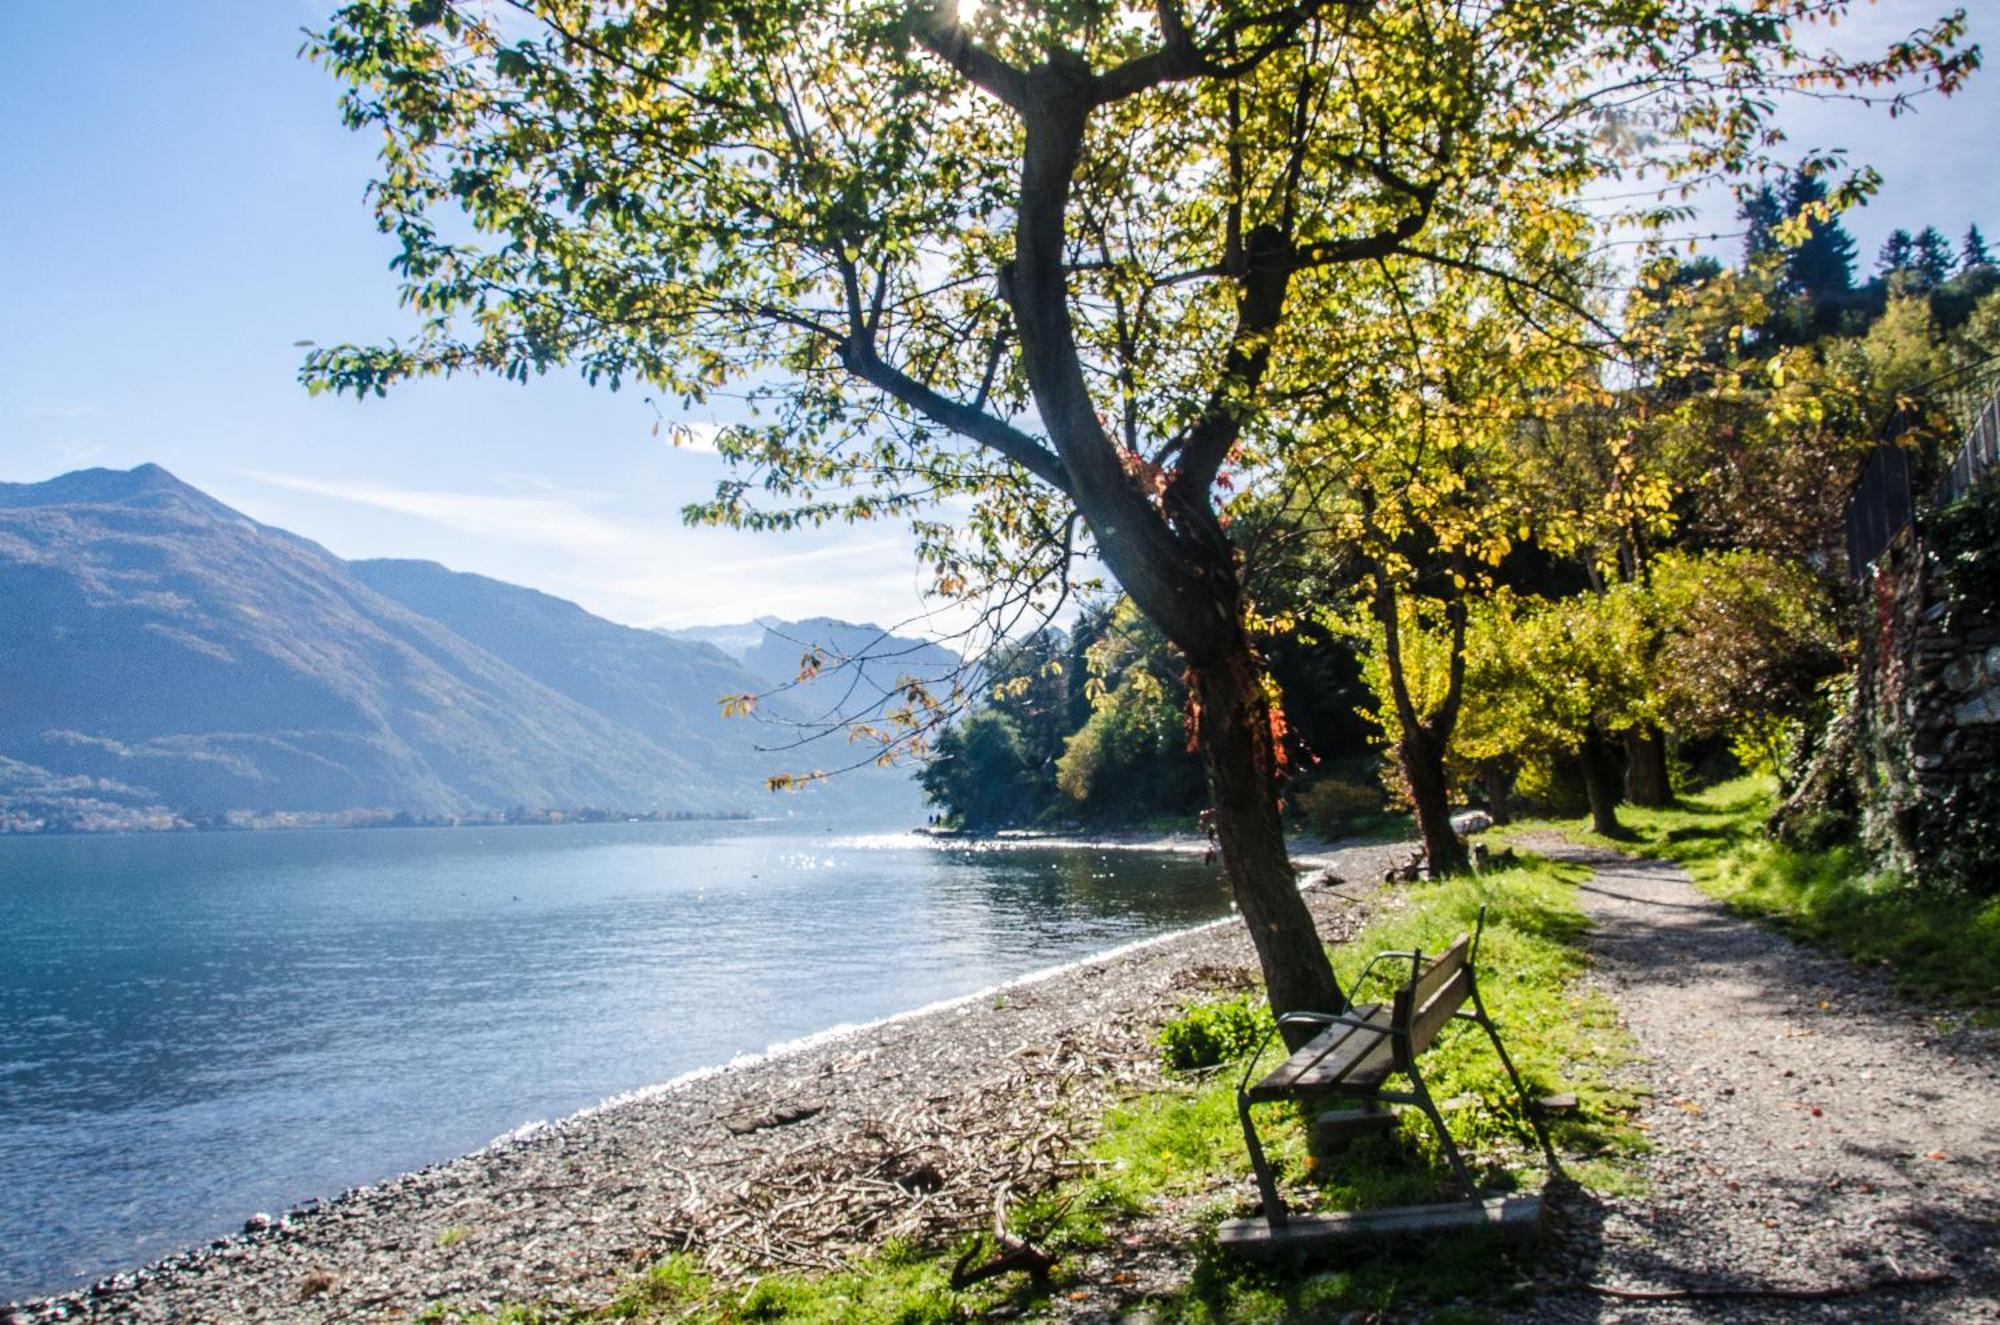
(1926, 723)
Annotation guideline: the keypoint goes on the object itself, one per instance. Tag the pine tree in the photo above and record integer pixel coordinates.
(1761, 212)
(1898, 253)
(1933, 256)
(1972, 250)
(1824, 264)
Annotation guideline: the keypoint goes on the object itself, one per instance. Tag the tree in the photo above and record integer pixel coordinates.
(1745, 638)
(1822, 263)
(979, 772)
(1931, 257)
(1407, 467)
(1130, 757)
(1044, 257)
(1972, 250)
(1798, 231)
(1899, 253)
(1556, 678)
(1761, 213)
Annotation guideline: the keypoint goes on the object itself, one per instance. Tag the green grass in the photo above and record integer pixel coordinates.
(1940, 947)
(1561, 1037)
(1181, 1147)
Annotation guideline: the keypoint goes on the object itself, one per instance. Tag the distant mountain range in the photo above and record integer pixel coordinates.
(165, 657)
(861, 665)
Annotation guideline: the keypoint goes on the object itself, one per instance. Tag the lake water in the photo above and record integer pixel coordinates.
(197, 1027)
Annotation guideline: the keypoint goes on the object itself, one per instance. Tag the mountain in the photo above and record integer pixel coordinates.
(160, 647)
(736, 640)
(880, 659)
(664, 688)
(861, 663)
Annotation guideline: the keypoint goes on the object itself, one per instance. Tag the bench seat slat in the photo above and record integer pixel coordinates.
(1340, 1060)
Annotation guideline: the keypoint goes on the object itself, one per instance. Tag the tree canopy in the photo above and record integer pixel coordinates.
(1057, 262)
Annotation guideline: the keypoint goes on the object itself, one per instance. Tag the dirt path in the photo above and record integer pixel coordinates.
(1810, 1129)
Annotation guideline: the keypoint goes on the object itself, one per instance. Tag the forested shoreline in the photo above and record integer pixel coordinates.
(1549, 585)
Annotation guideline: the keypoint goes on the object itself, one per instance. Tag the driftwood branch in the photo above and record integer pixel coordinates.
(1014, 1254)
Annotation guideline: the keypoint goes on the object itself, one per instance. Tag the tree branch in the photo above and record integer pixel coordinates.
(940, 33)
(858, 355)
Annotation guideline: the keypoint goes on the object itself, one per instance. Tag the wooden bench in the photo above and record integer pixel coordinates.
(1361, 1048)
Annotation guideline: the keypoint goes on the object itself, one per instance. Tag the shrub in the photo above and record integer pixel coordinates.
(1208, 1034)
(1333, 807)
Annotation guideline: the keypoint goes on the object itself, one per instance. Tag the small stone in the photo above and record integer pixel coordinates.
(258, 1223)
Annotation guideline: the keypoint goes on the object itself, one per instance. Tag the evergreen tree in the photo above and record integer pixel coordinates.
(1972, 250)
(1824, 264)
(1761, 212)
(1898, 253)
(1933, 257)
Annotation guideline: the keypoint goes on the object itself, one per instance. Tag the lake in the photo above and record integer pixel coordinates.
(195, 1027)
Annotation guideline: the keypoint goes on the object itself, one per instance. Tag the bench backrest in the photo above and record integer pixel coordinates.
(1425, 1004)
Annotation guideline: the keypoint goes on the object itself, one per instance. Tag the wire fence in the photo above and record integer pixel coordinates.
(1980, 453)
(1884, 500)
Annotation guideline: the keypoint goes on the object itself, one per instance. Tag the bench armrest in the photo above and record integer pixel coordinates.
(1321, 1017)
(1361, 979)
(1332, 1019)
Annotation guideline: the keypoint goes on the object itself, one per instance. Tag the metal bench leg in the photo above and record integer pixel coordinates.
(1267, 1183)
(1528, 1109)
(1424, 1102)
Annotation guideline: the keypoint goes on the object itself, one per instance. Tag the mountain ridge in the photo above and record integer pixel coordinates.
(161, 644)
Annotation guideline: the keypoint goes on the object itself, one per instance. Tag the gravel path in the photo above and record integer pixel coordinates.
(901, 1129)
(1810, 1128)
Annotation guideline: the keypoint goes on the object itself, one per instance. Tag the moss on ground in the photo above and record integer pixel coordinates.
(1180, 1148)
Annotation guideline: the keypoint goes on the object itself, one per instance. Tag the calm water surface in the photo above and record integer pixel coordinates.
(196, 1027)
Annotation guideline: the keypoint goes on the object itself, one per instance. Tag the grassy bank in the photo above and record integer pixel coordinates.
(1941, 948)
(1167, 1166)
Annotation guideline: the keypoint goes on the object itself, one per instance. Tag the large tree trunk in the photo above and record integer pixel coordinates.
(1238, 746)
(1430, 793)
(1646, 780)
(1169, 551)
(1600, 783)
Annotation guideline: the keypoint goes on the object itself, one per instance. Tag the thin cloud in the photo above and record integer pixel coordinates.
(549, 522)
(694, 435)
(650, 571)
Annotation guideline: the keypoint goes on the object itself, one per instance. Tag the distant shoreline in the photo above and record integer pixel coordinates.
(167, 821)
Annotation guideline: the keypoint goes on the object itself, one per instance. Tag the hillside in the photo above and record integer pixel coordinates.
(864, 665)
(660, 686)
(166, 649)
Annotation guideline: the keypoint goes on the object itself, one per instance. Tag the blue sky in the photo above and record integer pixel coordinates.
(182, 205)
